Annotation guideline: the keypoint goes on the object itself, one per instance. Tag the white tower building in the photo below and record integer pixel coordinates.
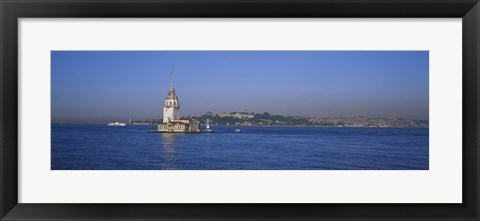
(171, 116)
(171, 107)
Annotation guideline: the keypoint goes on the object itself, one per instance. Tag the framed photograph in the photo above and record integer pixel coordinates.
(172, 110)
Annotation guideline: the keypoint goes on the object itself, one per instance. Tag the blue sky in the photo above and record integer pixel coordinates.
(103, 86)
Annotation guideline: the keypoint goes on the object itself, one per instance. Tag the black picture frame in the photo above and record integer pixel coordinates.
(12, 10)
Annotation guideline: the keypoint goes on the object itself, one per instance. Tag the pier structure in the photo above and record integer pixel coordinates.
(171, 115)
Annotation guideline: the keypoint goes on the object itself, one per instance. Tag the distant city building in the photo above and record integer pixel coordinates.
(171, 115)
(235, 115)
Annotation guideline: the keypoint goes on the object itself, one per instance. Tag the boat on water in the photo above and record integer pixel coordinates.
(237, 130)
(116, 124)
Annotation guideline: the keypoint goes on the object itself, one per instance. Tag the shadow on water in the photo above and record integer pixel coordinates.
(169, 150)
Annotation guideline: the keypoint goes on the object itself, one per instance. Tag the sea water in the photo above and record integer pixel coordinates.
(99, 147)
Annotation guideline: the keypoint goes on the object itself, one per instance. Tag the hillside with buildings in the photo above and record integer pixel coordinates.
(267, 119)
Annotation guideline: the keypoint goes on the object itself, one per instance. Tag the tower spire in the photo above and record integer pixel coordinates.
(171, 77)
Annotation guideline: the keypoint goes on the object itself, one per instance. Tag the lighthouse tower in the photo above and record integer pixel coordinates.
(171, 107)
(171, 117)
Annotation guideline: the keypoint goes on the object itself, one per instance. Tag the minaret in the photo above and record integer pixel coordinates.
(171, 78)
(171, 107)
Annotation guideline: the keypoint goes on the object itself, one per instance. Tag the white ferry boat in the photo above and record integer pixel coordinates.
(116, 124)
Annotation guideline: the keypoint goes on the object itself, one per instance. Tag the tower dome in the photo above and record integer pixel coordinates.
(171, 95)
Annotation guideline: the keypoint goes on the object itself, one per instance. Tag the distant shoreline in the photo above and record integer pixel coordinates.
(213, 126)
(302, 126)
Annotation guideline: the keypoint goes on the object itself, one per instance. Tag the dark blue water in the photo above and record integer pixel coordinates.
(98, 147)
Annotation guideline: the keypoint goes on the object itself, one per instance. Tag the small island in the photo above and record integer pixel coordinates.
(171, 122)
